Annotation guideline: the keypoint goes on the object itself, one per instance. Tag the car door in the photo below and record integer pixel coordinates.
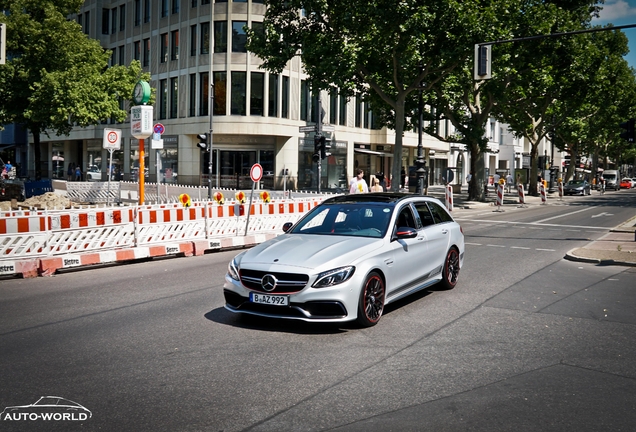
(438, 235)
(409, 255)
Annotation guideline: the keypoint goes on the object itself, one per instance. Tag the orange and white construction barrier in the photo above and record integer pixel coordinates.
(544, 199)
(500, 196)
(522, 196)
(449, 198)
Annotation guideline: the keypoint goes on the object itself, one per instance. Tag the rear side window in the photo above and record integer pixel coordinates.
(439, 213)
(425, 214)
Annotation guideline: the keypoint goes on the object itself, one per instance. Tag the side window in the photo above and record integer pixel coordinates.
(405, 218)
(426, 218)
(439, 213)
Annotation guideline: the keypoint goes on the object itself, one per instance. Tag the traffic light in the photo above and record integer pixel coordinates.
(203, 141)
(316, 156)
(628, 134)
(483, 62)
(324, 147)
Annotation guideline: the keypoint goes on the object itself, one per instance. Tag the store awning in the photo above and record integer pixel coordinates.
(373, 152)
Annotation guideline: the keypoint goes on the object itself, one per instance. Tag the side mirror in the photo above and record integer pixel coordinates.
(287, 226)
(405, 233)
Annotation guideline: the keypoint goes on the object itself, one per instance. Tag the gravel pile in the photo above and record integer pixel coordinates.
(50, 200)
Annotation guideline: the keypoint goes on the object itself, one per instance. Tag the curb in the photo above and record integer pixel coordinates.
(570, 256)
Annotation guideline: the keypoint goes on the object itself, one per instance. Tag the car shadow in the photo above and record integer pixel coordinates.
(278, 325)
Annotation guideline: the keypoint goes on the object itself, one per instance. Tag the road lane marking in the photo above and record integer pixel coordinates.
(546, 250)
(491, 223)
(564, 214)
(519, 247)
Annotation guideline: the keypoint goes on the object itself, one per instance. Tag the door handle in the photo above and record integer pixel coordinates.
(444, 231)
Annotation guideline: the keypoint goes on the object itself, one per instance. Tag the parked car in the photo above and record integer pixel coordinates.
(347, 259)
(626, 183)
(634, 182)
(576, 187)
(93, 173)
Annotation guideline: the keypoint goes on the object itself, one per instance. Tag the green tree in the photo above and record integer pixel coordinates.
(384, 49)
(57, 78)
(551, 79)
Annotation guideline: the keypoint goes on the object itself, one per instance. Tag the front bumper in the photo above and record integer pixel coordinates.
(334, 304)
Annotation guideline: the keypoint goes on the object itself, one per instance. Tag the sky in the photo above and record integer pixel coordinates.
(621, 12)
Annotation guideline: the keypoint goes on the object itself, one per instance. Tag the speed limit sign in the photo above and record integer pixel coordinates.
(112, 139)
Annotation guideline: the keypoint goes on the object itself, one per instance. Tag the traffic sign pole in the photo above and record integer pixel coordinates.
(256, 173)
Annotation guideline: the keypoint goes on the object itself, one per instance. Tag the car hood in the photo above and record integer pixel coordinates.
(577, 186)
(309, 251)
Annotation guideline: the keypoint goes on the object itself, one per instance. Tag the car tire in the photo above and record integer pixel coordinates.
(450, 272)
(371, 303)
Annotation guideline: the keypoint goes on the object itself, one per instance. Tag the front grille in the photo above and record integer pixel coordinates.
(287, 282)
(309, 310)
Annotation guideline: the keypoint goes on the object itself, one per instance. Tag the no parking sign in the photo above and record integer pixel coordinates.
(112, 139)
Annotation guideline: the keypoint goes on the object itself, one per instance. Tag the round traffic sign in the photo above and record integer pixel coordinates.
(256, 172)
(159, 128)
(112, 137)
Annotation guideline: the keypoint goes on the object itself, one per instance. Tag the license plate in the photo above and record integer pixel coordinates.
(274, 300)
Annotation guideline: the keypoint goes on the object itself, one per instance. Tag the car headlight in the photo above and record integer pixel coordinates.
(233, 268)
(333, 277)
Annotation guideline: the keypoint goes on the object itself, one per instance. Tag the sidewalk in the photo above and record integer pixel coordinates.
(618, 247)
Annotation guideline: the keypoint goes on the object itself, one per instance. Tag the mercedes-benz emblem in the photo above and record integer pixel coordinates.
(269, 282)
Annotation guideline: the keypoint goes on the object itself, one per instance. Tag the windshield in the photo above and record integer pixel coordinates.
(358, 220)
(576, 182)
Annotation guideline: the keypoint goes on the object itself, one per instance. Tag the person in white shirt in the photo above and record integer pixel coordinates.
(495, 180)
(509, 182)
(358, 184)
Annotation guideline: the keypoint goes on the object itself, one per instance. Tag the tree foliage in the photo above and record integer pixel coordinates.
(56, 77)
(383, 49)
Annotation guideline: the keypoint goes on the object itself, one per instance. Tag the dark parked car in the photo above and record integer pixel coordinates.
(577, 187)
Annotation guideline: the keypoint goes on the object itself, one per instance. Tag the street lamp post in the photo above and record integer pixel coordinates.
(420, 162)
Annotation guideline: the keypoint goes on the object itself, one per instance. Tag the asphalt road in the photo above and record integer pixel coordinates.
(526, 341)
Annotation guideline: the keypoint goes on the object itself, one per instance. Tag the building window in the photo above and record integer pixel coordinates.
(87, 22)
(146, 59)
(220, 93)
(257, 93)
(122, 55)
(220, 36)
(174, 45)
(137, 12)
(113, 56)
(175, 6)
(304, 99)
(358, 113)
(79, 19)
(204, 94)
(343, 111)
(194, 3)
(137, 52)
(205, 2)
(163, 41)
(164, 8)
(105, 21)
(205, 38)
(239, 37)
(272, 108)
(122, 17)
(193, 40)
(146, 11)
(238, 98)
(174, 97)
(163, 98)
(284, 101)
(113, 20)
(192, 97)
